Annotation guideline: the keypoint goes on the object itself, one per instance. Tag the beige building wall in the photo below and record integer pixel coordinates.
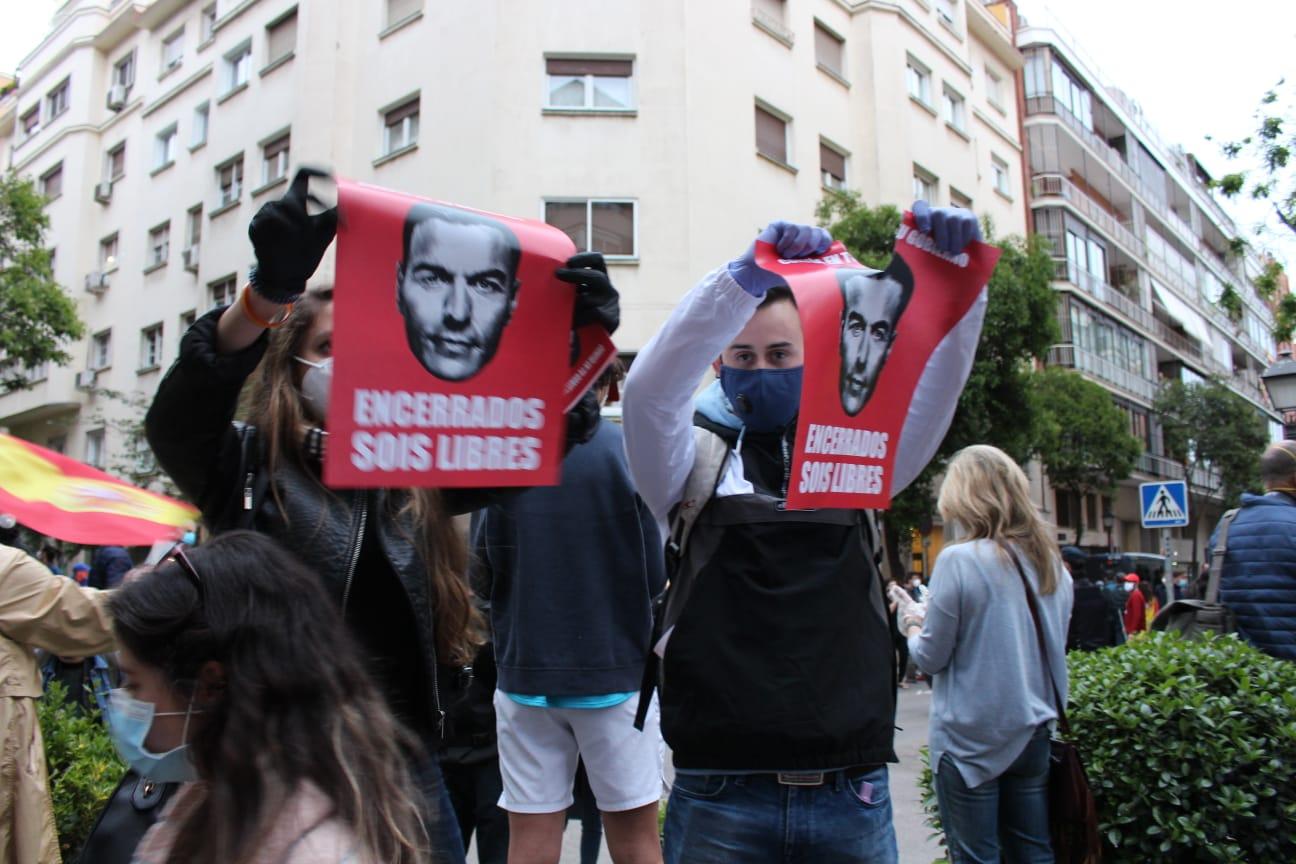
(684, 153)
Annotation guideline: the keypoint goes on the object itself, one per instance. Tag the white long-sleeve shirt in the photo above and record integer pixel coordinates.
(657, 406)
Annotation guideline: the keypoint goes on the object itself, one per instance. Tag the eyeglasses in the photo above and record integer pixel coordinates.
(177, 554)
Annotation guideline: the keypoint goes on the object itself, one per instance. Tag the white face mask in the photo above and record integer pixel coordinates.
(1129, 586)
(315, 387)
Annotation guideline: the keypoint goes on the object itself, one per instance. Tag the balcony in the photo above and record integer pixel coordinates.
(1057, 186)
(1105, 294)
(1167, 469)
(1104, 370)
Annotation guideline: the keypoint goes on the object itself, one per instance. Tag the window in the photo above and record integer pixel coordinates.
(238, 66)
(281, 38)
(994, 88)
(198, 133)
(223, 291)
(187, 320)
(771, 136)
(1071, 96)
(958, 199)
(172, 50)
(230, 179)
(945, 11)
(596, 225)
(101, 350)
(51, 182)
(274, 160)
(590, 85)
(164, 147)
(58, 444)
(402, 10)
(108, 253)
(124, 71)
(56, 101)
(151, 347)
(770, 15)
(207, 24)
(159, 244)
(193, 229)
(918, 77)
(830, 51)
(30, 122)
(400, 127)
(94, 448)
(115, 163)
(955, 109)
(924, 185)
(832, 167)
(1002, 184)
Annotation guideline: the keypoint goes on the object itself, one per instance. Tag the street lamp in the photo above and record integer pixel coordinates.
(1280, 382)
(1109, 520)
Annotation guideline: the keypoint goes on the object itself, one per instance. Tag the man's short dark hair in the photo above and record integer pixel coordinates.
(897, 271)
(1278, 464)
(420, 213)
(777, 294)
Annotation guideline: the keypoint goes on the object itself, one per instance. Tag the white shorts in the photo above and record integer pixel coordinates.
(538, 748)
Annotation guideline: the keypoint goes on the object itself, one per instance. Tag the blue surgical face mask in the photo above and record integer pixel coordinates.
(765, 400)
(129, 721)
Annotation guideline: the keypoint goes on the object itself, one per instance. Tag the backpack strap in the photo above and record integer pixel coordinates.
(242, 509)
(710, 455)
(1217, 556)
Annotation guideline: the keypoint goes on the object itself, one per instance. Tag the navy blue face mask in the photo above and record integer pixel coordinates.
(765, 400)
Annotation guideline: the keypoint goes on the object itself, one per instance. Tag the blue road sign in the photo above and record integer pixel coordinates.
(1164, 504)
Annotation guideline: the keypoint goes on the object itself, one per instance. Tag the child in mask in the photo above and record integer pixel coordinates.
(226, 680)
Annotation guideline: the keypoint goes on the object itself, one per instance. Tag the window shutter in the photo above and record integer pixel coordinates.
(282, 38)
(607, 68)
(771, 135)
(832, 162)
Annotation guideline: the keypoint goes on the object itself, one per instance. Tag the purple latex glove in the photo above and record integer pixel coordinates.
(791, 241)
(952, 228)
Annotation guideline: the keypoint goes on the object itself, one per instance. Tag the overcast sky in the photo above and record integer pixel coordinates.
(1197, 67)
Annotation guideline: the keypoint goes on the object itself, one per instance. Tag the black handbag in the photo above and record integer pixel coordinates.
(1073, 816)
(133, 808)
(1192, 618)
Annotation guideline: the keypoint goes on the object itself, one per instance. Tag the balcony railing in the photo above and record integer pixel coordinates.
(1168, 469)
(1057, 186)
(1078, 358)
(1103, 293)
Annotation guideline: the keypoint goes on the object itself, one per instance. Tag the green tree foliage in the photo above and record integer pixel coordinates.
(1269, 149)
(1216, 437)
(36, 318)
(84, 767)
(1084, 442)
(998, 405)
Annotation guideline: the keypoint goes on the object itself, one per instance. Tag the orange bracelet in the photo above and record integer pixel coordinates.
(257, 319)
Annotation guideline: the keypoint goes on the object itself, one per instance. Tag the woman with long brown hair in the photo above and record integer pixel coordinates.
(996, 681)
(392, 560)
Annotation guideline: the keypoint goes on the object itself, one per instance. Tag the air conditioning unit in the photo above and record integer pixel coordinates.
(191, 258)
(117, 97)
(103, 191)
(96, 282)
(85, 379)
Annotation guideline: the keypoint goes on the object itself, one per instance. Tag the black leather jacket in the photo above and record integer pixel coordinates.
(189, 426)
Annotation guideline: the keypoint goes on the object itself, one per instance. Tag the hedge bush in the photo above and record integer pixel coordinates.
(1190, 747)
(84, 767)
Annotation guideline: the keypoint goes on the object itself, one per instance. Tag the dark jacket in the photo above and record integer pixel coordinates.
(781, 659)
(109, 566)
(1095, 623)
(1258, 582)
(338, 534)
(572, 571)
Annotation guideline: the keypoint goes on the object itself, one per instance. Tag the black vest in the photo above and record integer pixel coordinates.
(781, 658)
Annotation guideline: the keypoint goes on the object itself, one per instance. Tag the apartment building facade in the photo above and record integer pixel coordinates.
(1142, 255)
(664, 134)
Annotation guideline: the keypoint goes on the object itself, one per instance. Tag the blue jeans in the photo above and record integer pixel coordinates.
(438, 812)
(1005, 817)
(753, 819)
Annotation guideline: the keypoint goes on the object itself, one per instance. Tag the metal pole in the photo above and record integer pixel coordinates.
(1168, 576)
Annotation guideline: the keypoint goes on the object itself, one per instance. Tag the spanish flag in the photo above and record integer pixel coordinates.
(71, 501)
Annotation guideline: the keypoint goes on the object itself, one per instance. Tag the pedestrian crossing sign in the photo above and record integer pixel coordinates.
(1165, 504)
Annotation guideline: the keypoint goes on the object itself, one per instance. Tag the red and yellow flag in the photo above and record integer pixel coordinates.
(68, 500)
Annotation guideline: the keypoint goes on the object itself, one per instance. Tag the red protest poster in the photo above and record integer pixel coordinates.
(451, 345)
(868, 337)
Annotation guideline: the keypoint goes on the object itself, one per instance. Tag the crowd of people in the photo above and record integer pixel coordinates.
(375, 676)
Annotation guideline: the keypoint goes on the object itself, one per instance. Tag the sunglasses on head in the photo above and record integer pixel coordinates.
(177, 554)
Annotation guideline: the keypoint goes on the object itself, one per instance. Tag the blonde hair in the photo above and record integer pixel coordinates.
(987, 494)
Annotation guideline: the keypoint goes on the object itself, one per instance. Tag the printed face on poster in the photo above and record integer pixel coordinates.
(869, 336)
(452, 346)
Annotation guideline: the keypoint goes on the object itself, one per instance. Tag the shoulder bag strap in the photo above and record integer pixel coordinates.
(710, 454)
(1039, 635)
(1217, 557)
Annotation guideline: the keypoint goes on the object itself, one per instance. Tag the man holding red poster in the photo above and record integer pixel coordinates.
(776, 677)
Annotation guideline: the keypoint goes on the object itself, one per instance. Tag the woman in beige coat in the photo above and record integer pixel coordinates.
(37, 610)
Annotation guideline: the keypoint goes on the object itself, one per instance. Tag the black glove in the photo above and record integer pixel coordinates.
(289, 241)
(596, 300)
(583, 419)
